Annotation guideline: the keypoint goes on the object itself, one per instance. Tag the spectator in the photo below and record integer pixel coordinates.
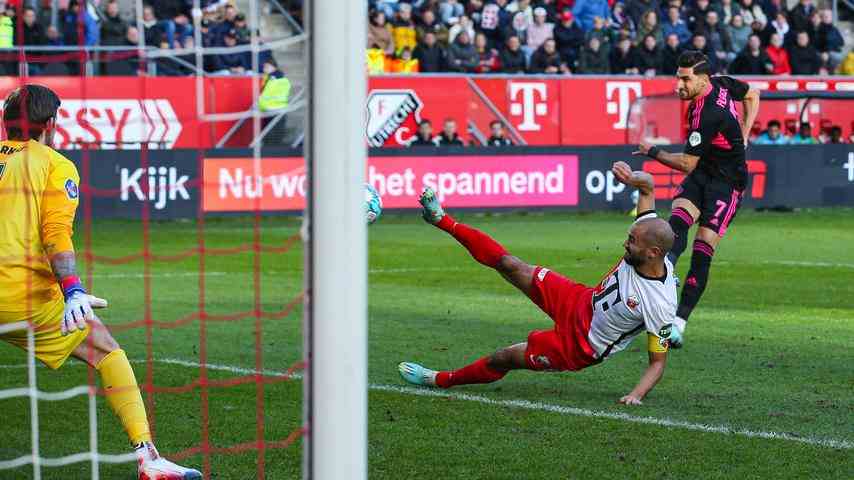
(586, 10)
(717, 38)
(751, 12)
(174, 18)
(462, 56)
(569, 37)
(152, 32)
(379, 33)
(771, 7)
(624, 58)
(524, 7)
(752, 60)
(600, 31)
(649, 26)
(34, 34)
(229, 21)
(779, 55)
(803, 57)
(463, 25)
(812, 28)
(519, 27)
(739, 33)
(403, 29)
(424, 136)
(772, 136)
(697, 14)
(799, 16)
(547, 60)
(234, 63)
(450, 11)
(698, 42)
(781, 26)
(727, 9)
(636, 9)
(429, 24)
(449, 136)
(594, 58)
(675, 26)
(847, 67)
(835, 135)
(829, 41)
(488, 57)
(125, 63)
(91, 32)
(54, 38)
(804, 135)
(649, 57)
(114, 30)
(670, 55)
(430, 55)
(620, 20)
(540, 30)
(498, 138)
(494, 19)
(404, 63)
(388, 7)
(512, 58)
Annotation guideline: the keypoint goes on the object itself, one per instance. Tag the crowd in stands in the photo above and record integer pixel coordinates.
(166, 25)
(742, 37)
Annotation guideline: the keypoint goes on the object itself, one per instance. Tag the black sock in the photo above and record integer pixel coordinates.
(680, 221)
(698, 276)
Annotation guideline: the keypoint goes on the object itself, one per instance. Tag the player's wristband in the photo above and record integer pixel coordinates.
(71, 285)
(653, 152)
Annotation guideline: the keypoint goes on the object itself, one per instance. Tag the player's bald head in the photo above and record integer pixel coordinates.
(656, 232)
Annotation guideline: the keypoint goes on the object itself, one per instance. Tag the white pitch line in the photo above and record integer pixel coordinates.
(529, 405)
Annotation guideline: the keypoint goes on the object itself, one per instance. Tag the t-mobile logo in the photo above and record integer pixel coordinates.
(620, 105)
(530, 107)
(163, 184)
(849, 165)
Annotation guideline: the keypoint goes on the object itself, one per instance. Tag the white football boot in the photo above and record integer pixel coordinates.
(417, 374)
(154, 467)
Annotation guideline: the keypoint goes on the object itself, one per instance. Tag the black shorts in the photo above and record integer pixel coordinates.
(716, 199)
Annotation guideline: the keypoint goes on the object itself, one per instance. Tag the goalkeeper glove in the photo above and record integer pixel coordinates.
(78, 305)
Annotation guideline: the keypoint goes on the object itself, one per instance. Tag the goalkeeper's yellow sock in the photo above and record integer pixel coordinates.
(123, 395)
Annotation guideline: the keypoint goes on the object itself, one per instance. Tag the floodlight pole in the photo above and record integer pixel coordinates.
(336, 376)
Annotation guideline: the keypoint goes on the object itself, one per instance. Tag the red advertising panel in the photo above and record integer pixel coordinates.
(276, 184)
(125, 113)
(532, 106)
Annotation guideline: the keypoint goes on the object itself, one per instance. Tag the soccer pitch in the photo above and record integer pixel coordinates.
(768, 354)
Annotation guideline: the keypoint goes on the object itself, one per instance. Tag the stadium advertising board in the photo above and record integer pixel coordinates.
(464, 181)
(159, 112)
(543, 111)
(120, 185)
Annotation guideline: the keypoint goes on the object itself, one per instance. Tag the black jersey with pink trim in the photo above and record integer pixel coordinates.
(714, 131)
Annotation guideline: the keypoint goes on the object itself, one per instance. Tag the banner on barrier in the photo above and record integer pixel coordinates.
(158, 112)
(279, 184)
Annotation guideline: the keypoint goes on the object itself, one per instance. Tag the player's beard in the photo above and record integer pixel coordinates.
(633, 260)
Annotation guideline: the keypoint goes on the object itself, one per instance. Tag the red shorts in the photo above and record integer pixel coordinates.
(569, 304)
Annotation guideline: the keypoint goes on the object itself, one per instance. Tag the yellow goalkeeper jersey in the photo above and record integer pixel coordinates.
(38, 198)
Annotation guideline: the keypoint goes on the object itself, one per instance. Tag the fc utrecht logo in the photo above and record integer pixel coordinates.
(632, 302)
(619, 106)
(388, 111)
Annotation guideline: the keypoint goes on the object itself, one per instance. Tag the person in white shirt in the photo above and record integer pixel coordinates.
(590, 323)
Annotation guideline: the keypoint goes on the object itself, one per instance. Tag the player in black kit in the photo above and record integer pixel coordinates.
(716, 167)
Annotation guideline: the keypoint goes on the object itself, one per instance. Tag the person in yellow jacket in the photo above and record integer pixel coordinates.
(39, 286)
(847, 67)
(275, 88)
(375, 60)
(7, 32)
(404, 63)
(403, 29)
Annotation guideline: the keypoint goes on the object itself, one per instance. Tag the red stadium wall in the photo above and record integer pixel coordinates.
(125, 112)
(550, 111)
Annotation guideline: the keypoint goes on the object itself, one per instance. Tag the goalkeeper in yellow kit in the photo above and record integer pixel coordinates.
(38, 278)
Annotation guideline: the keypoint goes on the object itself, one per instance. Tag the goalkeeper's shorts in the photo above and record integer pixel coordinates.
(51, 347)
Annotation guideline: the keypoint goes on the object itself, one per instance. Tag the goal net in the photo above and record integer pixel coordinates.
(205, 297)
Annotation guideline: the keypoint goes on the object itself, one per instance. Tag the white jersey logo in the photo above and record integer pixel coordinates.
(695, 139)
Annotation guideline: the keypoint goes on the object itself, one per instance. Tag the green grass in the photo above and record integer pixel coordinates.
(770, 348)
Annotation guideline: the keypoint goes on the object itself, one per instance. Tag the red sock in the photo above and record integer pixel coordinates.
(477, 372)
(480, 245)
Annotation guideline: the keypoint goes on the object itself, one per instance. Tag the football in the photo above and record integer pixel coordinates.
(373, 204)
